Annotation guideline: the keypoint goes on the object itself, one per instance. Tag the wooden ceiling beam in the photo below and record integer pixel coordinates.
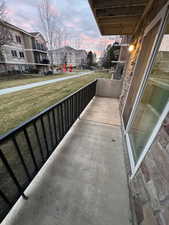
(112, 4)
(123, 11)
(117, 30)
(117, 20)
(115, 3)
(118, 17)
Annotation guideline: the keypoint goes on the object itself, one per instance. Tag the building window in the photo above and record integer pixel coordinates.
(18, 39)
(14, 53)
(145, 54)
(21, 54)
(152, 102)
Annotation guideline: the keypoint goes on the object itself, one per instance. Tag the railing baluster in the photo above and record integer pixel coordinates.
(83, 99)
(73, 119)
(71, 114)
(21, 157)
(30, 148)
(68, 111)
(38, 139)
(54, 124)
(5, 198)
(59, 122)
(10, 171)
(65, 119)
(66, 116)
(75, 105)
(79, 103)
(50, 130)
(44, 134)
(62, 119)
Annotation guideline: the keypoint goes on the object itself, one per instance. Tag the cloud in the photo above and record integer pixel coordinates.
(75, 15)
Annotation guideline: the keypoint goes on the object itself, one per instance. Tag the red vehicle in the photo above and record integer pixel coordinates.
(70, 68)
(64, 68)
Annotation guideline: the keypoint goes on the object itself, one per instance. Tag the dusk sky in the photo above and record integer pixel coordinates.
(76, 16)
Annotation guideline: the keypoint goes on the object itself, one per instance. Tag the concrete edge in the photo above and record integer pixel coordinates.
(128, 173)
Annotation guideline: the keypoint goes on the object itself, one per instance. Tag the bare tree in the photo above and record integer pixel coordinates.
(2, 9)
(58, 37)
(5, 34)
(78, 43)
(50, 23)
(47, 21)
(54, 31)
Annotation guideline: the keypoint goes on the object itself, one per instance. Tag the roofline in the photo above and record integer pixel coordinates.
(38, 34)
(68, 47)
(94, 15)
(15, 27)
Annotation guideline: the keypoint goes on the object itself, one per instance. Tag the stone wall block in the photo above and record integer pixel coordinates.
(163, 138)
(145, 172)
(154, 201)
(149, 218)
(161, 159)
(163, 217)
(138, 209)
(139, 188)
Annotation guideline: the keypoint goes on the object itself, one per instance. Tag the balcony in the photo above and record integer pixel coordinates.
(75, 148)
(39, 47)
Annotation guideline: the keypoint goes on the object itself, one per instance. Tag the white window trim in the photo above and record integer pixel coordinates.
(151, 139)
(163, 16)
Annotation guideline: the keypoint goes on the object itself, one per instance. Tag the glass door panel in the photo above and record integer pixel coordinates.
(143, 58)
(153, 101)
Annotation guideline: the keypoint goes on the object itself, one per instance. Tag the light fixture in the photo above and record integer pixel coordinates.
(131, 48)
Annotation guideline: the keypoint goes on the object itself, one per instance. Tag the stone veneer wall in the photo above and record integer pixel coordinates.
(149, 188)
(128, 72)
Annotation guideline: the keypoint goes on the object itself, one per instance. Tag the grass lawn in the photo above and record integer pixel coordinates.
(17, 107)
(7, 81)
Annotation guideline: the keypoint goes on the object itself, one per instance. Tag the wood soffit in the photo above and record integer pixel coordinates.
(118, 17)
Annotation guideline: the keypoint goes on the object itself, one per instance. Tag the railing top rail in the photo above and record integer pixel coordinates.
(34, 118)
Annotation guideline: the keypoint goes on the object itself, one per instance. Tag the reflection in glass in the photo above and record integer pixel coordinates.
(153, 100)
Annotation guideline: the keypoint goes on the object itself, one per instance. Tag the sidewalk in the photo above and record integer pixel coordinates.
(38, 84)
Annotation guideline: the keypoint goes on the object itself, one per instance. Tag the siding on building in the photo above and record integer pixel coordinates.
(69, 55)
(20, 54)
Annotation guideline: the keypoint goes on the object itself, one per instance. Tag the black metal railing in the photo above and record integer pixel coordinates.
(25, 149)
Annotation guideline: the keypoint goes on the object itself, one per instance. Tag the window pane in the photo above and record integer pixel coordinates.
(153, 101)
(144, 55)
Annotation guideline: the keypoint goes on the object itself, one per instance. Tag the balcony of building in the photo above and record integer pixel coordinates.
(41, 58)
(39, 46)
(78, 145)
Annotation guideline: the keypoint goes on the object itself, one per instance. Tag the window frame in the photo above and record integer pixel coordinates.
(21, 54)
(161, 17)
(14, 53)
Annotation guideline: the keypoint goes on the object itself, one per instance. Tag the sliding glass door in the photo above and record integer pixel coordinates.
(141, 65)
(153, 100)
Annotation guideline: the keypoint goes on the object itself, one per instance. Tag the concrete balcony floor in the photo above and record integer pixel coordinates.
(84, 181)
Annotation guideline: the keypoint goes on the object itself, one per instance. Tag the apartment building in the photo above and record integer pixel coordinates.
(68, 55)
(27, 52)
